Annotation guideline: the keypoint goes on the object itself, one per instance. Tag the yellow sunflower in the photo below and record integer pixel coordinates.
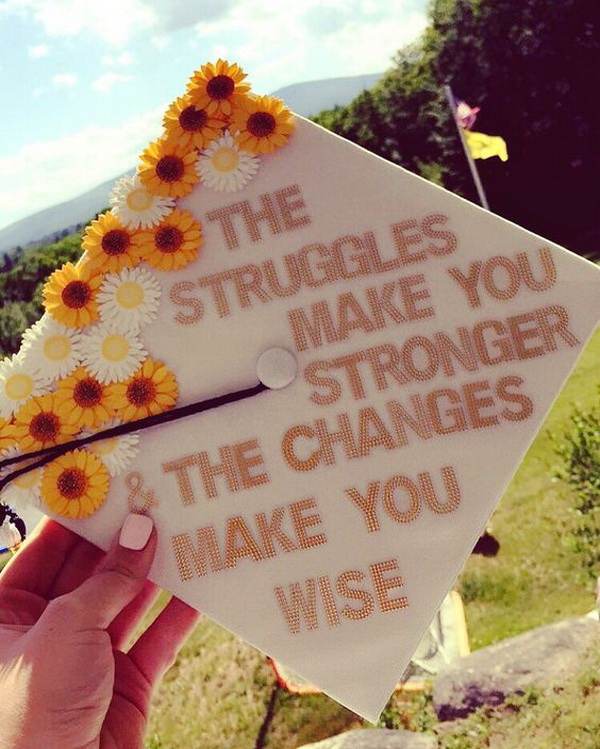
(40, 423)
(82, 399)
(70, 295)
(110, 246)
(190, 126)
(75, 484)
(167, 169)
(216, 87)
(173, 243)
(7, 437)
(151, 390)
(262, 124)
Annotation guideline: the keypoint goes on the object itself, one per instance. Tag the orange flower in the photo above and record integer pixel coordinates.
(40, 423)
(151, 390)
(70, 295)
(262, 124)
(75, 485)
(190, 126)
(173, 243)
(6, 435)
(218, 87)
(167, 169)
(109, 245)
(82, 400)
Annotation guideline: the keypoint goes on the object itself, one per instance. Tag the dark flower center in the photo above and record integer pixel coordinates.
(87, 393)
(170, 168)
(192, 120)
(141, 391)
(44, 427)
(76, 294)
(261, 124)
(72, 483)
(168, 238)
(220, 87)
(116, 242)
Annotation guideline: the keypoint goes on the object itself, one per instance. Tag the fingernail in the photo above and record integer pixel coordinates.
(136, 531)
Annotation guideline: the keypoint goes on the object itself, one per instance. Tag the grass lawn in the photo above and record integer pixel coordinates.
(219, 691)
(536, 578)
(562, 718)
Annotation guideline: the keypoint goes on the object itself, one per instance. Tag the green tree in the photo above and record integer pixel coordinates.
(15, 318)
(21, 287)
(21, 282)
(394, 119)
(579, 449)
(529, 70)
(529, 66)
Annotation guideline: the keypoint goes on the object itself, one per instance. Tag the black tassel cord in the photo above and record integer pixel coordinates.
(39, 458)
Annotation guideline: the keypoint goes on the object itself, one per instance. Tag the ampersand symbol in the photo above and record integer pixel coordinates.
(139, 499)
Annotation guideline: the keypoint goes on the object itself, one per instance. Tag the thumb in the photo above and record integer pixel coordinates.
(117, 580)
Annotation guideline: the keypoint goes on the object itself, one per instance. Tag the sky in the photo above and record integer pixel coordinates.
(86, 82)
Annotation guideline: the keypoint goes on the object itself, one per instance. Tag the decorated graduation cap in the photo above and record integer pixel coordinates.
(316, 371)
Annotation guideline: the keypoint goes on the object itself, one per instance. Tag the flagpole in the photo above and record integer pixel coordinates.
(470, 160)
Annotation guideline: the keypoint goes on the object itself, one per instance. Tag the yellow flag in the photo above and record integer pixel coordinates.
(483, 146)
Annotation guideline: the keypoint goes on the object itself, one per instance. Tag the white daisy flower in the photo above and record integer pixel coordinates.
(51, 348)
(224, 167)
(135, 207)
(129, 299)
(23, 491)
(115, 452)
(111, 356)
(18, 382)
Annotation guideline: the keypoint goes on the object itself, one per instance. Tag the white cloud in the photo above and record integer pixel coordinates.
(44, 173)
(160, 41)
(171, 15)
(37, 51)
(65, 79)
(107, 80)
(117, 21)
(377, 41)
(122, 59)
(286, 43)
(114, 21)
(277, 42)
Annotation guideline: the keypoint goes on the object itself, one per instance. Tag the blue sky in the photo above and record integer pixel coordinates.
(85, 82)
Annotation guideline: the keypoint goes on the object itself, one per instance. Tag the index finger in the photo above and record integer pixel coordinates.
(40, 559)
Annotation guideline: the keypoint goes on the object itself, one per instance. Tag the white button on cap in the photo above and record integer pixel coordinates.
(276, 368)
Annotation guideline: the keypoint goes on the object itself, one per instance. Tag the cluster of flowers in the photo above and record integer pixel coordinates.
(83, 367)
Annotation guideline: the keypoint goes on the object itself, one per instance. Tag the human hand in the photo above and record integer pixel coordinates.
(67, 610)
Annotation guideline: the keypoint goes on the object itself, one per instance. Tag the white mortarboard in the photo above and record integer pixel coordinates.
(381, 352)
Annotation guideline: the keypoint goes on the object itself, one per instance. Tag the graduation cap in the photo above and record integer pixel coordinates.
(316, 371)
